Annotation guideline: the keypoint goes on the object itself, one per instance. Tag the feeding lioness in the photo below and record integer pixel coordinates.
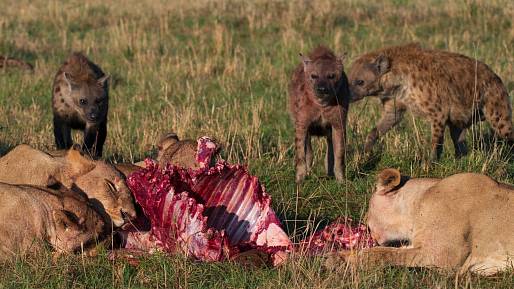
(32, 216)
(465, 221)
(101, 182)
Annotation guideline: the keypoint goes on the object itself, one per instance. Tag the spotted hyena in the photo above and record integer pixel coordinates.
(8, 62)
(318, 103)
(80, 100)
(448, 89)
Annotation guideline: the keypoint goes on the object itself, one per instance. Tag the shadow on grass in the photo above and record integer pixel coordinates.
(5, 147)
(369, 163)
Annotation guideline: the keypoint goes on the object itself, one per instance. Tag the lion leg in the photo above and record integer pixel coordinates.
(485, 266)
(410, 257)
(436, 256)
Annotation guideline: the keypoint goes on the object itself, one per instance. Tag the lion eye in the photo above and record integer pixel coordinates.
(359, 82)
(331, 76)
(83, 101)
(314, 76)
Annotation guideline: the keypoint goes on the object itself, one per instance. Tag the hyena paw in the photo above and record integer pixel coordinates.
(301, 172)
(339, 176)
(368, 147)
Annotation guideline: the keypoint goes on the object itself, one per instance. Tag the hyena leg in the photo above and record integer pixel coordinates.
(497, 110)
(437, 139)
(62, 134)
(102, 135)
(308, 152)
(339, 146)
(329, 157)
(391, 116)
(91, 136)
(301, 136)
(459, 140)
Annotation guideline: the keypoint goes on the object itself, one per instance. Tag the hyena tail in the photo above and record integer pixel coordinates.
(497, 109)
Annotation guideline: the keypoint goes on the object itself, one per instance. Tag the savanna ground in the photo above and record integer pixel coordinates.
(221, 68)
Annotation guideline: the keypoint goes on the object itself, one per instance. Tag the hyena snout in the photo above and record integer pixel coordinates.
(322, 88)
(93, 114)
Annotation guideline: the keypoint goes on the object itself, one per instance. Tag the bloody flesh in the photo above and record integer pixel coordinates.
(220, 211)
(210, 214)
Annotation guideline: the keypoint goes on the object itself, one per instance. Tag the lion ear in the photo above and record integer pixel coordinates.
(66, 220)
(387, 180)
(167, 140)
(53, 183)
(79, 163)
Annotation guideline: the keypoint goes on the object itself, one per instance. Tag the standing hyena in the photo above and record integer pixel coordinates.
(80, 101)
(318, 102)
(446, 88)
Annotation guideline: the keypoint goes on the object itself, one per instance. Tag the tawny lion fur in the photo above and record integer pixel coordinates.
(463, 222)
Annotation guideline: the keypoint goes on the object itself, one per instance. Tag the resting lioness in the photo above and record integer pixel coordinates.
(100, 181)
(32, 216)
(465, 221)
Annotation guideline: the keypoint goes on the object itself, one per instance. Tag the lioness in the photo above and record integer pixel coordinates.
(465, 221)
(101, 182)
(182, 153)
(32, 216)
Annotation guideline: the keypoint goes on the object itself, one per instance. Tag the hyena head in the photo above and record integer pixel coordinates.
(365, 74)
(325, 74)
(90, 96)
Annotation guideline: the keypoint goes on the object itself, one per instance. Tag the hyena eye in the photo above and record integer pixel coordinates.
(83, 101)
(359, 82)
(331, 76)
(314, 76)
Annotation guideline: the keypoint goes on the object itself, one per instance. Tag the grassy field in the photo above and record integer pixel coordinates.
(221, 68)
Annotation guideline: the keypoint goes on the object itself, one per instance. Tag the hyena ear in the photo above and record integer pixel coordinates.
(382, 64)
(104, 80)
(387, 180)
(68, 79)
(342, 57)
(305, 59)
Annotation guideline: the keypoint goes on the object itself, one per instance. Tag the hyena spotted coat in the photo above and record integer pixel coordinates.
(448, 89)
(318, 103)
(80, 100)
(8, 62)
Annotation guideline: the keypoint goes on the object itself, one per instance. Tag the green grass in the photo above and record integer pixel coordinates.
(221, 68)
